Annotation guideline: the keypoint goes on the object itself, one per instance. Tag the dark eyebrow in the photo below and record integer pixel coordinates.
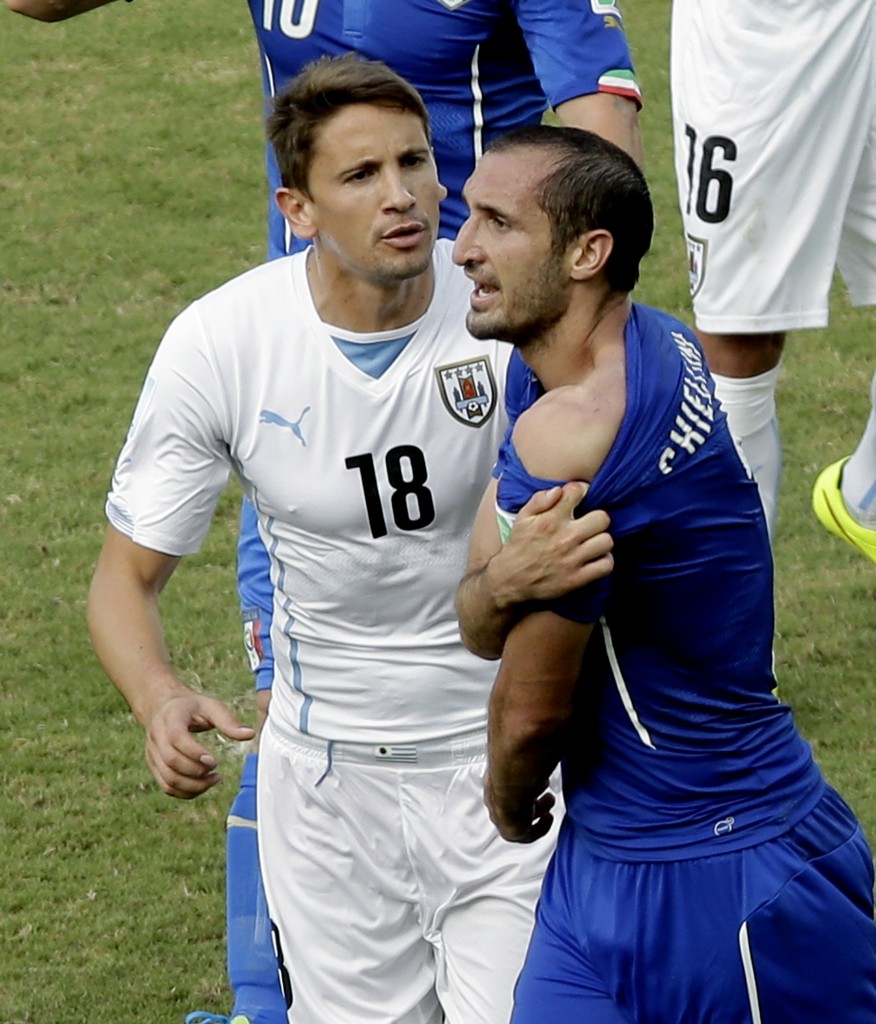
(370, 163)
(491, 211)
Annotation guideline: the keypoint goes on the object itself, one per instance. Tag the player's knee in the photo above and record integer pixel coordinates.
(742, 355)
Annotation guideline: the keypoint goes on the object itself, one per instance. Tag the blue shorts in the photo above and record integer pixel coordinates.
(781, 932)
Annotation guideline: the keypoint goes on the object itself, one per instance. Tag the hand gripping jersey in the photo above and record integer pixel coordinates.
(481, 66)
(365, 491)
(681, 747)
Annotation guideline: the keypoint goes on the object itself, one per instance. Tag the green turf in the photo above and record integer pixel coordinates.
(130, 182)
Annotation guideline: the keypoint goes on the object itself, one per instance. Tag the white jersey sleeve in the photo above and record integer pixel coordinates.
(175, 462)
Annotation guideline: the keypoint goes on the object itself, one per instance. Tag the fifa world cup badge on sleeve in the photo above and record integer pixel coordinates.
(506, 521)
(607, 8)
(252, 641)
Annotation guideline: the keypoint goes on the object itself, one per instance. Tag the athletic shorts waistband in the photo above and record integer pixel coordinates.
(446, 752)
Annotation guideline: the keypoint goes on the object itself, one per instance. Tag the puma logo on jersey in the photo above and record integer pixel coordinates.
(268, 416)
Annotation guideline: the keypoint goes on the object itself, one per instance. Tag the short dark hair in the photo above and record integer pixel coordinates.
(593, 184)
(317, 93)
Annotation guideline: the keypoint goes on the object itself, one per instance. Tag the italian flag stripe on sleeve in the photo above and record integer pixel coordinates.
(622, 82)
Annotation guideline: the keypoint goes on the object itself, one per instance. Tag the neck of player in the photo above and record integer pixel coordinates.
(351, 298)
(570, 349)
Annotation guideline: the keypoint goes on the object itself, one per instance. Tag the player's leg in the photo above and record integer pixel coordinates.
(762, 194)
(810, 949)
(485, 892)
(558, 982)
(859, 473)
(252, 964)
(844, 496)
(745, 368)
(341, 891)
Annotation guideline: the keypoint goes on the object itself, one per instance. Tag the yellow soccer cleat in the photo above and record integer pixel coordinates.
(828, 505)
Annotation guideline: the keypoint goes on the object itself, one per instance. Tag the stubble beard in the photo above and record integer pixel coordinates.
(536, 309)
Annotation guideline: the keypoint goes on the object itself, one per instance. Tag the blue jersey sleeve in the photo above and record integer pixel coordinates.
(577, 47)
(256, 593)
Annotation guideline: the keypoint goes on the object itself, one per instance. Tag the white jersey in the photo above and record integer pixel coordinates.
(365, 489)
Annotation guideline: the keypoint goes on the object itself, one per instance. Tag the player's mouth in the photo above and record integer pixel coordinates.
(483, 294)
(405, 236)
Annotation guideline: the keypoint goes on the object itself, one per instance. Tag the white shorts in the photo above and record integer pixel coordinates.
(394, 899)
(774, 122)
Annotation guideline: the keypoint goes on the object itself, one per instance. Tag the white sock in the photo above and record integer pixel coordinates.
(750, 404)
(859, 473)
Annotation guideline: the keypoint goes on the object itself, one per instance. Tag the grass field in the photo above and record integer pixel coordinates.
(130, 183)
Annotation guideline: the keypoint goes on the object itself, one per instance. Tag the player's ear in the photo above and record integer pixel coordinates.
(589, 253)
(297, 208)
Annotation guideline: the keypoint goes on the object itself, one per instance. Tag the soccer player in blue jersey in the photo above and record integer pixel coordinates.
(705, 872)
(482, 67)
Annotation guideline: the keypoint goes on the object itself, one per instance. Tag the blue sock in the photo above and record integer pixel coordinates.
(252, 965)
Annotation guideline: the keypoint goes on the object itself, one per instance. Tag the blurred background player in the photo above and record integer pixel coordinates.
(702, 858)
(489, 66)
(774, 118)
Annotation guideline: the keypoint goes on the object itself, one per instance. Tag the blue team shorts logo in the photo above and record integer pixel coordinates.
(468, 390)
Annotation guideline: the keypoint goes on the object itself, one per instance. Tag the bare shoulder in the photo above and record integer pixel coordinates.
(569, 431)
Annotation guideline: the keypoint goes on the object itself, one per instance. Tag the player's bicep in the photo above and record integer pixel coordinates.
(125, 560)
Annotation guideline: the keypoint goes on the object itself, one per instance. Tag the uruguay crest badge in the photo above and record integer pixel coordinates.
(696, 262)
(468, 390)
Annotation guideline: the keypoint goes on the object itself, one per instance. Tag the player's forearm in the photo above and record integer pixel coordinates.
(531, 706)
(612, 117)
(487, 609)
(523, 753)
(127, 635)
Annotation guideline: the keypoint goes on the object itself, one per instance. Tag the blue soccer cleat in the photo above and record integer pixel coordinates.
(828, 505)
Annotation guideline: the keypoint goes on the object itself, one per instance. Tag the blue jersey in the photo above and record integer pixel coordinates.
(481, 66)
(681, 746)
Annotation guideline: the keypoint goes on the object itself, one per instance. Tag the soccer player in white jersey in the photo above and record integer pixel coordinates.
(341, 387)
(774, 115)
